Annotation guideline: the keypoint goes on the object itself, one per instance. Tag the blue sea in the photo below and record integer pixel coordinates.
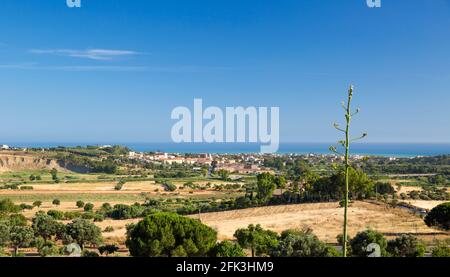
(373, 149)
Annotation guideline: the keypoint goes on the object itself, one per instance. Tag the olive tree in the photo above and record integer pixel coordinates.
(20, 236)
(257, 239)
(83, 232)
(227, 249)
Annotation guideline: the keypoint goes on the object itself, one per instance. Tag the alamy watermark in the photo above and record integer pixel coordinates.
(190, 125)
(73, 3)
(374, 3)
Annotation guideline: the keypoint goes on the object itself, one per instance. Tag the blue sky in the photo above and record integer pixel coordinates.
(113, 70)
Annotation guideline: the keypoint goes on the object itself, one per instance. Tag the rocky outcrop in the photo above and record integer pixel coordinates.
(18, 162)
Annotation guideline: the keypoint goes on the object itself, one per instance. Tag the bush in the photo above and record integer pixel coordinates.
(168, 186)
(441, 250)
(169, 235)
(80, 204)
(301, 243)
(24, 206)
(88, 207)
(58, 215)
(258, 240)
(108, 229)
(227, 249)
(7, 206)
(37, 203)
(406, 246)
(108, 249)
(56, 202)
(439, 216)
(89, 254)
(360, 242)
(45, 226)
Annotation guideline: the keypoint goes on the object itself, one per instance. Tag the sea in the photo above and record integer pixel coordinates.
(371, 149)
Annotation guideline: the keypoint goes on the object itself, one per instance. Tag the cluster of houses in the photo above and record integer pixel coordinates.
(242, 163)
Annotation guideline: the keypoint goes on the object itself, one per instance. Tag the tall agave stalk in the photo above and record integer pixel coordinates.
(346, 145)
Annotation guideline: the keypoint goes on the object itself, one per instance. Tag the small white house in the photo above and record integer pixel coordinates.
(5, 147)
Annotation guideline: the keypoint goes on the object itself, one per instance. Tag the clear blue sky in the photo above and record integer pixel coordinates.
(114, 69)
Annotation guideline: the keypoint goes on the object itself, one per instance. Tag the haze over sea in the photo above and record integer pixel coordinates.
(373, 149)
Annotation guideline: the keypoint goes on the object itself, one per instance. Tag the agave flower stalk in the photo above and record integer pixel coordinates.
(346, 144)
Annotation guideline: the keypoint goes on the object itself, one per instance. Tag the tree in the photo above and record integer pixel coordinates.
(108, 249)
(362, 240)
(54, 173)
(223, 174)
(5, 231)
(56, 202)
(346, 144)
(227, 249)
(439, 216)
(265, 186)
(88, 207)
(80, 204)
(258, 240)
(280, 182)
(406, 246)
(45, 226)
(46, 248)
(37, 203)
(169, 235)
(301, 243)
(21, 236)
(83, 231)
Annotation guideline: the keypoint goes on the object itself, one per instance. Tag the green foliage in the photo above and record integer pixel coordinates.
(54, 174)
(7, 206)
(360, 242)
(168, 186)
(442, 249)
(258, 240)
(301, 243)
(37, 203)
(265, 186)
(439, 216)
(56, 202)
(80, 204)
(406, 246)
(88, 207)
(223, 174)
(108, 249)
(227, 249)
(58, 215)
(46, 248)
(45, 226)
(119, 185)
(168, 235)
(84, 232)
(384, 188)
(20, 237)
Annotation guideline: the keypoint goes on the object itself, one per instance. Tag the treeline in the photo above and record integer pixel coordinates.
(90, 165)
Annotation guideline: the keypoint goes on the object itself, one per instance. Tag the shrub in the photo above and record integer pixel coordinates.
(56, 202)
(80, 204)
(439, 216)
(37, 203)
(24, 206)
(7, 206)
(26, 188)
(360, 242)
(108, 229)
(169, 235)
(406, 246)
(441, 250)
(227, 249)
(258, 240)
(45, 226)
(168, 186)
(89, 254)
(108, 249)
(46, 248)
(88, 207)
(301, 243)
(58, 215)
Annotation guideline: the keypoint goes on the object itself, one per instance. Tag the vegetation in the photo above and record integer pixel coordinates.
(258, 240)
(439, 216)
(169, 235)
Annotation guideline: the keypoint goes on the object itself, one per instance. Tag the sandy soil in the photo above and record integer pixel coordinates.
(325, 219)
